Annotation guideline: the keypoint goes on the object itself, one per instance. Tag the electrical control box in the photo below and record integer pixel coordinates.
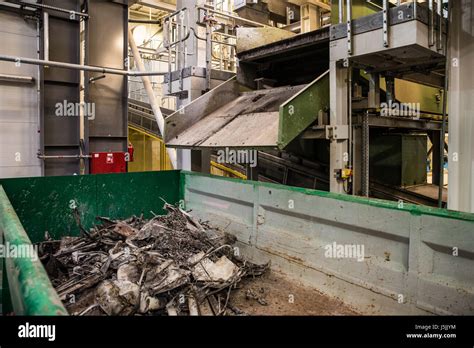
(109, 162)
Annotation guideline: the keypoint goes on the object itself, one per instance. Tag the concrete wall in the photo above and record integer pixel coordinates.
(409, 266)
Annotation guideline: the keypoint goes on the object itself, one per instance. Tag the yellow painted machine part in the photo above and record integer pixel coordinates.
(221, 170)
(410, 92)
(149, 152)
(150, 155)
(360, 8)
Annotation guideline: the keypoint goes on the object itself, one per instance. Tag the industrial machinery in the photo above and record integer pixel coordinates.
(395, 87)
(407, 248)
(295, 81)
(343, 121)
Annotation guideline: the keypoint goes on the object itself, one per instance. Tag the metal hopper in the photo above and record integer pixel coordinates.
(229, 117)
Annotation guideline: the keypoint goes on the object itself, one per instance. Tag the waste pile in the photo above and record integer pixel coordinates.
(168, 265)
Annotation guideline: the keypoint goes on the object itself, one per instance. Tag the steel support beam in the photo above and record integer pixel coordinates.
(461, 104)
(436, 157)
(108, 131)
(338, 116)
(159, 5)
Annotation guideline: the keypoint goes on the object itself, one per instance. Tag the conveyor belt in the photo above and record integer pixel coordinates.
(304, 173)
(409, 194)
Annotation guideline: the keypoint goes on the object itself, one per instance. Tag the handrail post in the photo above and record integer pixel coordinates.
(385, 21)
(349, 27)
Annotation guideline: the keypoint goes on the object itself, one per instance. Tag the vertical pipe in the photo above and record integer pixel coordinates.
(186, 31)
(365, 154)
(440, 26)
(151, 95)
(168, 40)
(443, 125)
(39, 93)
(349, 27)
(349, 114)
(208, 51)
(82, 122)
(431, 23)
(386, 23)
(181, 38)
(46, 35)
(341, 11)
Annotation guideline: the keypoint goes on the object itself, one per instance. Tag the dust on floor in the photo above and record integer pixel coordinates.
(274, 294)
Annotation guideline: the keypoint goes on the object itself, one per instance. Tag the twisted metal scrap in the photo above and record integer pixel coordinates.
(138, 266)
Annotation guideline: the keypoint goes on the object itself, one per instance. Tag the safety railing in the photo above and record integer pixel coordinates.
(176, 31)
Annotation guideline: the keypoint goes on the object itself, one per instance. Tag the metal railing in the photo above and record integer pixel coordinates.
(176, 31)
(220, 44)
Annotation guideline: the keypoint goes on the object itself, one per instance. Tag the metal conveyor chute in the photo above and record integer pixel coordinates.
(267, 118)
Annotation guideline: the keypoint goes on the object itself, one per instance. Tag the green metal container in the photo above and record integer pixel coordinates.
(31, 206)
(267, 219)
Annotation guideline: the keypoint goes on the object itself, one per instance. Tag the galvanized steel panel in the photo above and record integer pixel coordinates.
(19, 103)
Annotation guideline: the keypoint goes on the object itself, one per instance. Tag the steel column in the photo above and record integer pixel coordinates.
(338, 115)
(461, 104)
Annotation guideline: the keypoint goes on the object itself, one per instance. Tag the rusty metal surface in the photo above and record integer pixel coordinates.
(249, 38)
(313, 38)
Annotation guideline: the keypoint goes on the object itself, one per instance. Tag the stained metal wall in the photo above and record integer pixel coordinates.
(417, 260)
(19, 103)
(61, 133)
(106, 35)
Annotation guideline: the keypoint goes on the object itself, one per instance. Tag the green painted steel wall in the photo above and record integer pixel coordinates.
(300, 111)
(30, 289)
(408, 248)
(44, 204)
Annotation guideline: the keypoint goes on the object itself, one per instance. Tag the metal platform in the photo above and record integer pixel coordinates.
(410, 45)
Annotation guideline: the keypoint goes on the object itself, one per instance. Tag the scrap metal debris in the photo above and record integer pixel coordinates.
(169, 265)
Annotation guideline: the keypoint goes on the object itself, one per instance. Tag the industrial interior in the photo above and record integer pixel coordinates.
(291, 124)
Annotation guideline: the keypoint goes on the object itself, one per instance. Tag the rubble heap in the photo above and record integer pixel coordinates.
(169, 265)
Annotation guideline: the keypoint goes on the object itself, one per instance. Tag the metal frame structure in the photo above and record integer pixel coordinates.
(404, 32)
